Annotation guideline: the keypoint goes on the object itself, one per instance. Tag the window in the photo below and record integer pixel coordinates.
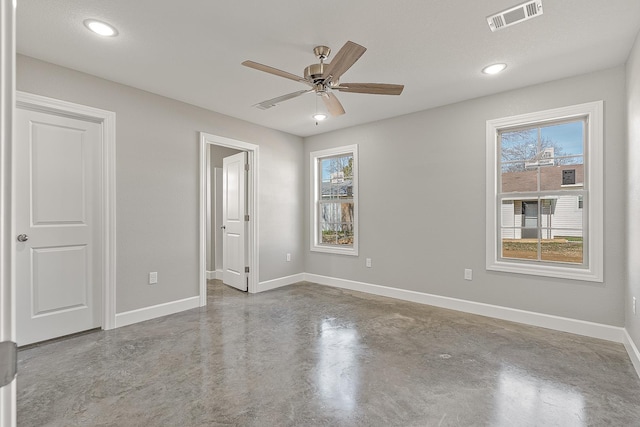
(540, 166)
(334, 192)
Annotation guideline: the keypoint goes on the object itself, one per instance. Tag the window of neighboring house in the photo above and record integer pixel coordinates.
(539, 166)
(334, 192)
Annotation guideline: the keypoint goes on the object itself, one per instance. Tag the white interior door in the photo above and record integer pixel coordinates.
(217, 244)
(233, 222)
(57, 223)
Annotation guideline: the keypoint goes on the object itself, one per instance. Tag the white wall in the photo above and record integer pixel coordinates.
(422, 203)
(157, 170)
(421, 228)
(633, 193)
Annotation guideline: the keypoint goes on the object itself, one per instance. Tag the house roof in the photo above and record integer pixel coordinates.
(550, 178)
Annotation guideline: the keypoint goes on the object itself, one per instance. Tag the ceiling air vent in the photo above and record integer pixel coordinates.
(515, 15)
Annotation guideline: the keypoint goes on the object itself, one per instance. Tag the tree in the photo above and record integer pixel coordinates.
(524, 146)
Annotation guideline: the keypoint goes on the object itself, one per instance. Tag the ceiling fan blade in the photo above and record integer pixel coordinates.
(264, 105)
(333, 105)
(343, 60)
(373, 88)
(275, 71)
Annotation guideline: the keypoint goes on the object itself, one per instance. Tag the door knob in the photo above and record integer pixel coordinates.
(223, 227)
(22, 237)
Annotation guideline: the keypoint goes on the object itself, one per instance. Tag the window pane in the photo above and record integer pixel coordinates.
(337, 177)
(519, 179)
(336, 223)
(565, 246)
(567, 176)
(337, 234)
(510, 213)
(520, 248)
(329, 234)
(336, 212)
(566, 138)
(518, 145)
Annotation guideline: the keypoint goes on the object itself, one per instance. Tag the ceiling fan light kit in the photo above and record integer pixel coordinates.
(324, 78)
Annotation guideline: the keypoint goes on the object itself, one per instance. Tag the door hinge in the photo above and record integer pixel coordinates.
(8, 362)
(246, 269)
(246, 166)
(246, 217)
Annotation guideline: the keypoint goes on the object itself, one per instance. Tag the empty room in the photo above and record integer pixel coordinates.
(285, 213)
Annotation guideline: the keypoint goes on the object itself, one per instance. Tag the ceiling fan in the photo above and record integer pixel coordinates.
(323, 78)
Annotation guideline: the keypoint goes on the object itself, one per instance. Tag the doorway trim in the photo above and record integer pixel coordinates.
(252, 150)
(7, 97)
(107, 119)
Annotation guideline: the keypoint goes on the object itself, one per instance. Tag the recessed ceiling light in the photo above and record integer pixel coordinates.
(319, 116)
(101, 28)
(494, 69)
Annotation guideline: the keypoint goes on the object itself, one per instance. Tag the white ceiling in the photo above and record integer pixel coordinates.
(191, 50)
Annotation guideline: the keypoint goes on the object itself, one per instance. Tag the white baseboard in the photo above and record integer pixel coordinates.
(148, 313)
(217, 274)
(632, 349)
(280, 282)
(564, 324)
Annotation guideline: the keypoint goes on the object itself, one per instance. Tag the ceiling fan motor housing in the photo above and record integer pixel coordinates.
(313, 72)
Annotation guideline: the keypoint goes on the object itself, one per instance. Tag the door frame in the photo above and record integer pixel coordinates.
(7, 97)
(252, 150)
(107, 120)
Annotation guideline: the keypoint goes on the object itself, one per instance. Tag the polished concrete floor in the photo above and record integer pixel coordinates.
(308, 355)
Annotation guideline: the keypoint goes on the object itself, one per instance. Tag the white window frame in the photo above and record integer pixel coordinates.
(315, 156)
(593, 186)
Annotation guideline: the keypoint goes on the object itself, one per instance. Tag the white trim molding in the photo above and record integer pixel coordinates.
(155, 311)
(267, 285)
(107, 119)
(7, 285)
(564, 324)
(217, 274)
(594, 184)
(253, 152)
(632, 349)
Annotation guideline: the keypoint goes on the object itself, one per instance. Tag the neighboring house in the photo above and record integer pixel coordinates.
(560, 215)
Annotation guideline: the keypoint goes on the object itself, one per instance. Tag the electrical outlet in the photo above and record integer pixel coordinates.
(367, 262)
(153, 277)
(633, 305)
(468, 274)
(288, 257)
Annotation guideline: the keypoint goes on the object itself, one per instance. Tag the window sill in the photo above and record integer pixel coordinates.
(573, 273)
(335, 250)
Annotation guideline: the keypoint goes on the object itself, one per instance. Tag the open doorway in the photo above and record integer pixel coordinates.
(213, 149)
(215, 223)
